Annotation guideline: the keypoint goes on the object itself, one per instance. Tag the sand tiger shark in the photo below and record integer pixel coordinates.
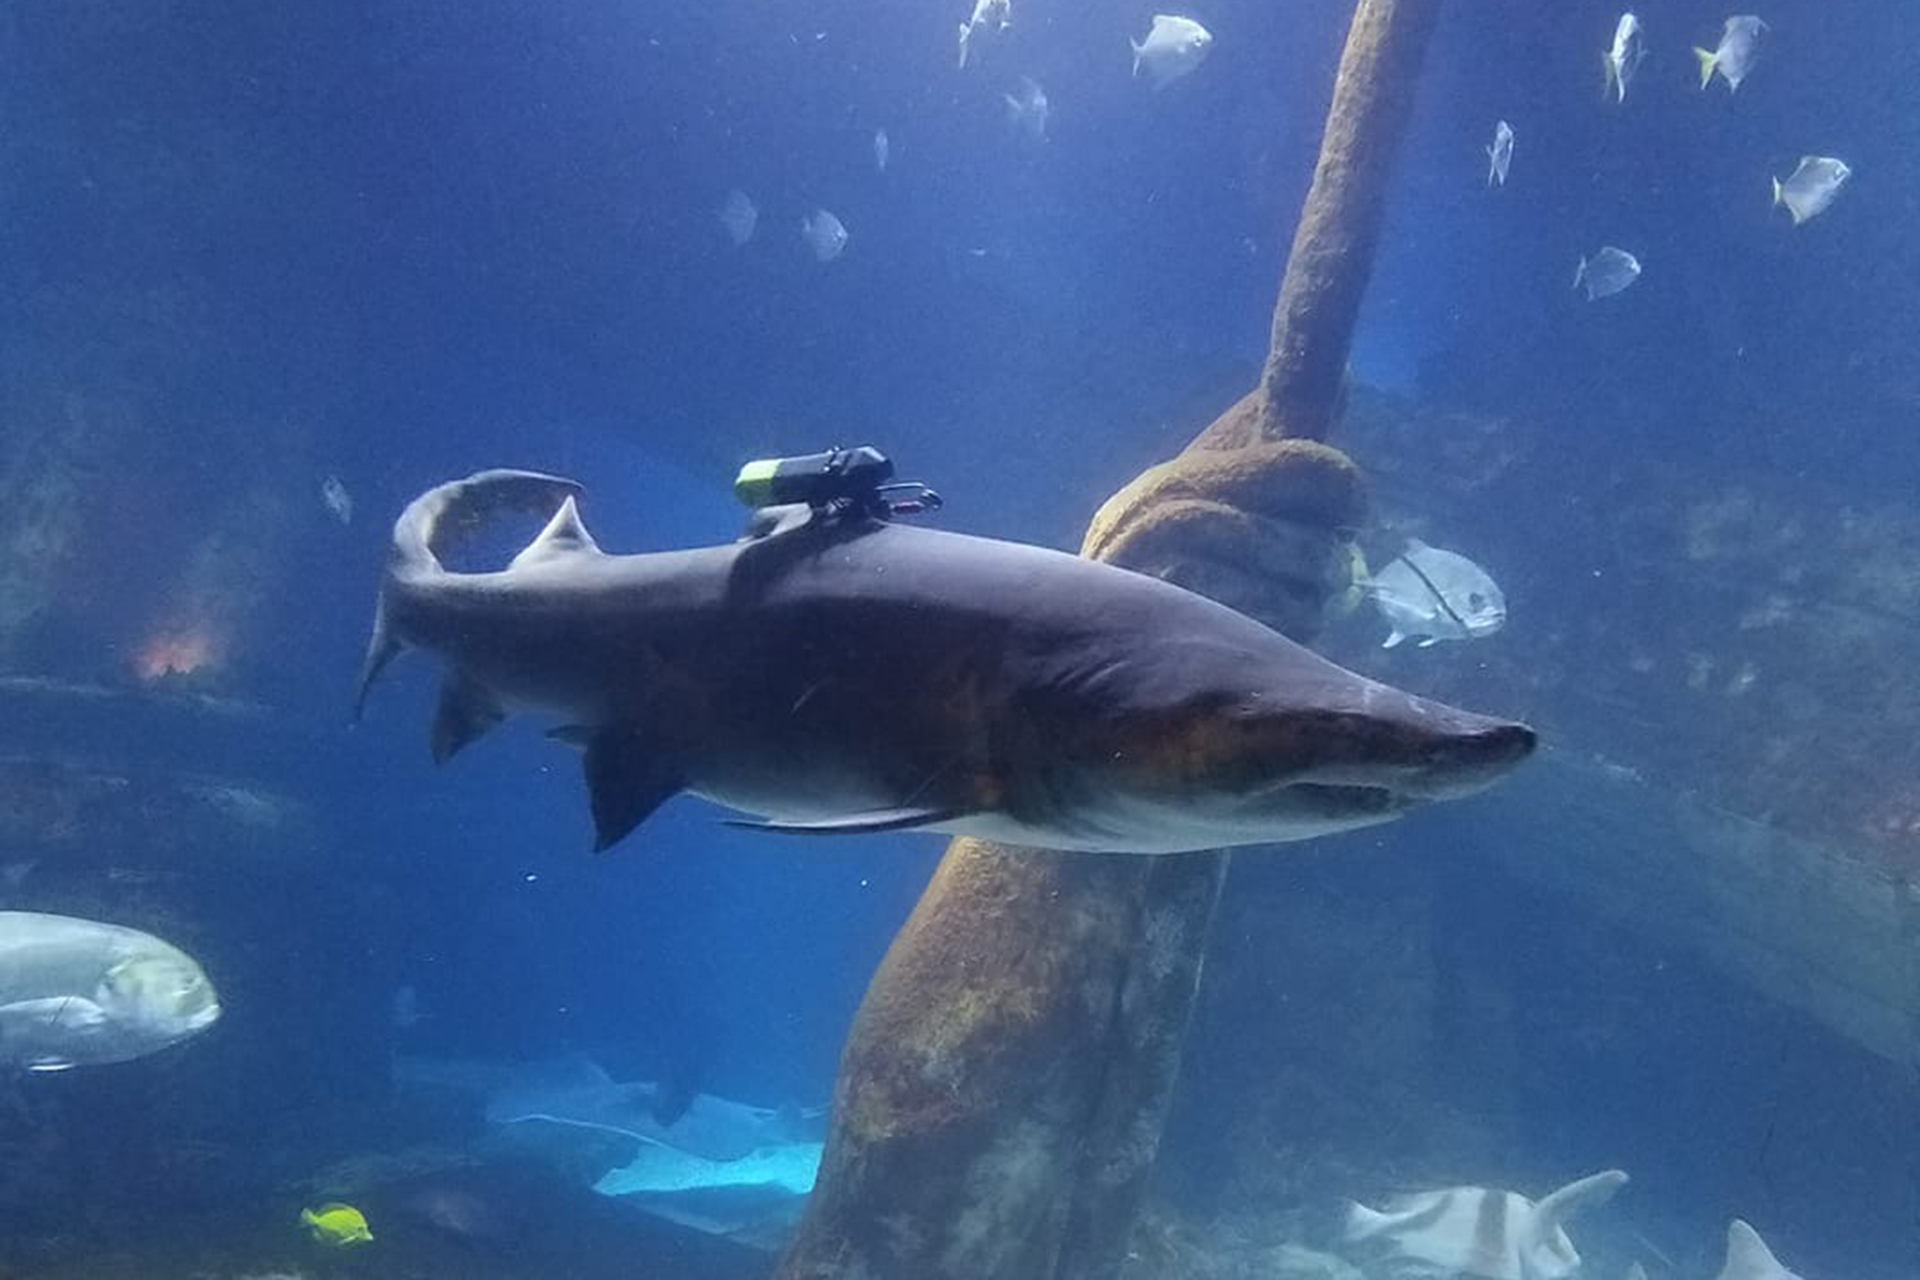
(845, 673)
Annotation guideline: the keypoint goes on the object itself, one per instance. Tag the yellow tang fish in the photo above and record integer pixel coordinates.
(336, 1225)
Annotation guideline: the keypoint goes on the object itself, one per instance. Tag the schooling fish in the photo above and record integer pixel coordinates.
(1735, 55)
(1500, 154)
(1607, 272)
(1811, 187)
(738, 216)
(1623, 58)
(79, 993)
(1430, 595)
(990, 20)
(1173, 48)
(851, 674)
(825, 234)
(1482, 1231)
(335, 498)
(1027, 110)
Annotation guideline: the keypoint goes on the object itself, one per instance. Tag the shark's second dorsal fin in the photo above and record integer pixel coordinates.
(564, 535)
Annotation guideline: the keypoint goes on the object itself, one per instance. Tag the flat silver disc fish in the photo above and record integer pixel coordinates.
(1812, 187)
(1606, 273)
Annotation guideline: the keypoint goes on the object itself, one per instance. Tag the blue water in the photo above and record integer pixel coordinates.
(246, 247)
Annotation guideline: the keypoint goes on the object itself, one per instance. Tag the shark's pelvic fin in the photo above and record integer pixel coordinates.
(872, 820)
(627, 779)
(467, 709)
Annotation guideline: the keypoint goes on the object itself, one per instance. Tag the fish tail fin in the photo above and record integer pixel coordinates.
(1138, 49)
(1580, 272)
(1613, 75)
(441, 518)
(963, 46)
(436, 522)
(307, 1218)
(1708, 61)
(1779, 195)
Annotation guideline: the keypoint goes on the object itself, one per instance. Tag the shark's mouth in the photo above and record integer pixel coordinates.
(1350, 800)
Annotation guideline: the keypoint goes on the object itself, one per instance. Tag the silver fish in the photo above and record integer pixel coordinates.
(1811, 187)
(825, 234)
(1624, 57)
(1500, 154)
(990, 19)
(1173, 48)
(78, 993)
(1735, 55)
(1430, 595)
(738, 216)
(1483, 1231)
(1606, 273)
(1027, 110)
(336, 499)
(882, 150)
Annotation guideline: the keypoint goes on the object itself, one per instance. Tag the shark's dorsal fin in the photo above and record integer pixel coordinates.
(1748, 1257)
(564, 535)
(467, 709)
(1594, 1189)
(627, 779)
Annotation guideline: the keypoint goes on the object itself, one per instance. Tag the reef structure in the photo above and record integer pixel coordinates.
(1003, 1087)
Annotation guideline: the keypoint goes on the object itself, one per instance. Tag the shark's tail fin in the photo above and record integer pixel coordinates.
(436, 522)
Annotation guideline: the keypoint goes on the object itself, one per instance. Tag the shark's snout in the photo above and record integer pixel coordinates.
(1471, 759)
(1417, 750)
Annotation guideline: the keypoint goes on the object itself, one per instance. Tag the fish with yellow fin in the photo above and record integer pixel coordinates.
(336, 1225)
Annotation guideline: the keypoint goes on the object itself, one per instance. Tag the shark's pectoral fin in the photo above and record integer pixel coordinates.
(865, 823)
(467, 709)
(627, 779)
